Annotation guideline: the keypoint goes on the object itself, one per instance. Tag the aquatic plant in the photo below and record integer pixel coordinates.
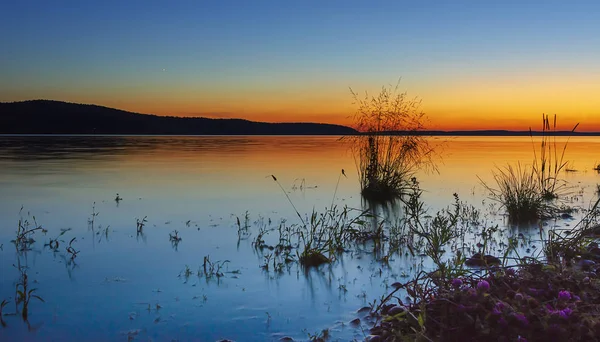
(2, 305)
(319, 337)
(140, 224)
(243, 229)
(175, 239)
(212, 269)
(71, 250)
(92, 218)
(322, 235)
(25, 232)
(527, 192)
(519, 193)
(23, 293)
(389, 149)
(549, 162)
(54, 243)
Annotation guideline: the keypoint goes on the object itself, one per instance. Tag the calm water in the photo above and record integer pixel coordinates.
(124, 284)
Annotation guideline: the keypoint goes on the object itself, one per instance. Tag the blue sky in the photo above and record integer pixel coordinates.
(200, 56)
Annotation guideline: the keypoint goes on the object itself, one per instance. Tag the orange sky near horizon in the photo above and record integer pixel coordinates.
(478, 102)
(475, 105)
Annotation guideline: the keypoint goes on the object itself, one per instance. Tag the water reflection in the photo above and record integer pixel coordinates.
(204, 204)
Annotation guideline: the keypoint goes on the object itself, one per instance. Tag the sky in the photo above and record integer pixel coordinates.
(474, 64)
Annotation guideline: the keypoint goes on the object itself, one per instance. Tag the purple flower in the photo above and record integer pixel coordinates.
(522, 319)
(519, 296)
(483, 286)
(576, 297)
(457, 282)
(502, 322)
(565, 313)
(564, 295)
(498, 308)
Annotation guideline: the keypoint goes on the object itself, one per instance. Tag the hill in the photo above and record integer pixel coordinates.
(56, 117)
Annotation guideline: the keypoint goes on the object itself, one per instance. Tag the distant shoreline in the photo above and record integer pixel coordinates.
(422, 133)
(55, 118)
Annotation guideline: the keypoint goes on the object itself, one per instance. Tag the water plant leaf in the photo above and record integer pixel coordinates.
(38, 297)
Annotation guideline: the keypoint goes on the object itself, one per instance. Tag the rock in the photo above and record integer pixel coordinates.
(355, 322)
(376, 331)
(395, 310)
(364, 309)
(479, 260)
(385, 308)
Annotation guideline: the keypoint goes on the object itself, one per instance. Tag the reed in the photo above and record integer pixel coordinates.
(550, 161)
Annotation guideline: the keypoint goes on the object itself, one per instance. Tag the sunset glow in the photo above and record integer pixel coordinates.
(474, 65)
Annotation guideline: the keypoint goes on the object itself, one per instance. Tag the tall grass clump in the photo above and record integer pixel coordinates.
(519, 192)
(389, 150)
(528, 192)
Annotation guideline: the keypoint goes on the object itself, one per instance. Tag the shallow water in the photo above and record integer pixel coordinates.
(123, 283)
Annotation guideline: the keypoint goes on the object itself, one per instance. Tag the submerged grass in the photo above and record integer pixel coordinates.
(321, 236)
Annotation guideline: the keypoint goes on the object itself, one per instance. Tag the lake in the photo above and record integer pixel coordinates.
(124, 284)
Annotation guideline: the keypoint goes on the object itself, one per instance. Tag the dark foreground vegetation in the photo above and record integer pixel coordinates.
(554, 297)
(55, 117)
